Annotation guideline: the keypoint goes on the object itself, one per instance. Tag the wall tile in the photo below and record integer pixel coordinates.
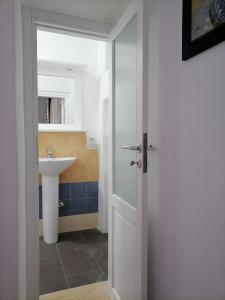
(77, 206)
(91, 157)
(91, 221)
(92, 189)
(65, 177)
(91, 205)
(66, 209)
(92, 174)
(78, 169)
(74, 223)
(78, 190)
(64, 191)
(71, 144)
(78, 198)
(62, 143)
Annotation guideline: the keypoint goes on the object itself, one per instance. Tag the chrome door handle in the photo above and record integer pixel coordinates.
(138, 163)
(137, 148)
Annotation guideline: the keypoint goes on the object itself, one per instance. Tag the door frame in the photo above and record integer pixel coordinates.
(28, 244)
(139, 7)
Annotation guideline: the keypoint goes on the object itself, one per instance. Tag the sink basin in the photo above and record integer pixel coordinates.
(50, 168)
(54, 166)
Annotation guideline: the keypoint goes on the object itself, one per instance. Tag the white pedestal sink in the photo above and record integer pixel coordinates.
(50, 168)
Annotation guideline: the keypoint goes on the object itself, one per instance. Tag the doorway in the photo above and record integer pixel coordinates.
(72, 90)
(119, 224)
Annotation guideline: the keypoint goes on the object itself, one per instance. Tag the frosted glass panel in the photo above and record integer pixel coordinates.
(125, 113)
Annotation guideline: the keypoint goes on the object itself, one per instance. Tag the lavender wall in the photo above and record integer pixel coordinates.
(8, 155)
(187, 182)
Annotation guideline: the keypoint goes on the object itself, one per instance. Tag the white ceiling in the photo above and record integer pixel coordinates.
(107, 11)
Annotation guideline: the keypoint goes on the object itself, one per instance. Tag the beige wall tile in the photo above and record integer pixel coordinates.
(65, 177)
(71, 144)
(92, 157)
(74, 223)
(91, 221)
(92, 174)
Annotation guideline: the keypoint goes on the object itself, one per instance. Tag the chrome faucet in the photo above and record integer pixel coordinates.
(49, 153)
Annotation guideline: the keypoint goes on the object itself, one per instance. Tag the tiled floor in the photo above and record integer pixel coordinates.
(95, 291)
(79, 258)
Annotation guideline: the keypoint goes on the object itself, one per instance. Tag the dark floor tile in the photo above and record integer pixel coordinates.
(50, 267)
(99, 246)
(78, 261)
(84, 256)
(70, 241)
(106, 274)
(105, 236)
(86, 278)
(50, 285)
(102, 259)
(99, 250)
(46, 250)
(66, 236)
(92, 235)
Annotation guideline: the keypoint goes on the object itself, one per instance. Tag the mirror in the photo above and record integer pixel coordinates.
(59, 96)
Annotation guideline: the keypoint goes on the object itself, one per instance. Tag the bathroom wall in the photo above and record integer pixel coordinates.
(187, 167)
(67, 49)
(78, 189)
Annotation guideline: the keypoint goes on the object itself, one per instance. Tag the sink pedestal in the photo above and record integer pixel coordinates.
(50, 168)
(50, 208)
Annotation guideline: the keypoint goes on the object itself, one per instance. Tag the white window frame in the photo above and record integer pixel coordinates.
(54, 69)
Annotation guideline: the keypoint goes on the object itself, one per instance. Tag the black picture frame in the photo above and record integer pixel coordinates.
(191, 48)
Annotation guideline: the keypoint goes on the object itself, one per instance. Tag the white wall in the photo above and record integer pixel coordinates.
(73, 50)
(8, 154)
(187, 190)
(69, 49)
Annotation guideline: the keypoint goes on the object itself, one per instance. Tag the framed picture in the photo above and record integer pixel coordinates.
(203, 25)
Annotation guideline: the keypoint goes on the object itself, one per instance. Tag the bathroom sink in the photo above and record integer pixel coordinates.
(54, 166)
(50, 168)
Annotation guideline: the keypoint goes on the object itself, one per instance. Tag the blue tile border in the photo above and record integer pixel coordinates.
(78, 198)
(91, 205)
(65, 210)
(64, 191)
(78, 190)
(92, 189)
(78, 206)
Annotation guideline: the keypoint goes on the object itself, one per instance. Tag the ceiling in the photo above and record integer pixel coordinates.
(106, 11)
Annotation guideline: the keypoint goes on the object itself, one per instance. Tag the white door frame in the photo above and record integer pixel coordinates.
(138, 215)
(28, 268)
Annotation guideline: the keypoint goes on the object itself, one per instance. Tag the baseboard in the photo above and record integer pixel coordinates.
(75, 223)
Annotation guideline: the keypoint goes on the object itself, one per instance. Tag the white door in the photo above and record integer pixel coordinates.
(128, 182)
